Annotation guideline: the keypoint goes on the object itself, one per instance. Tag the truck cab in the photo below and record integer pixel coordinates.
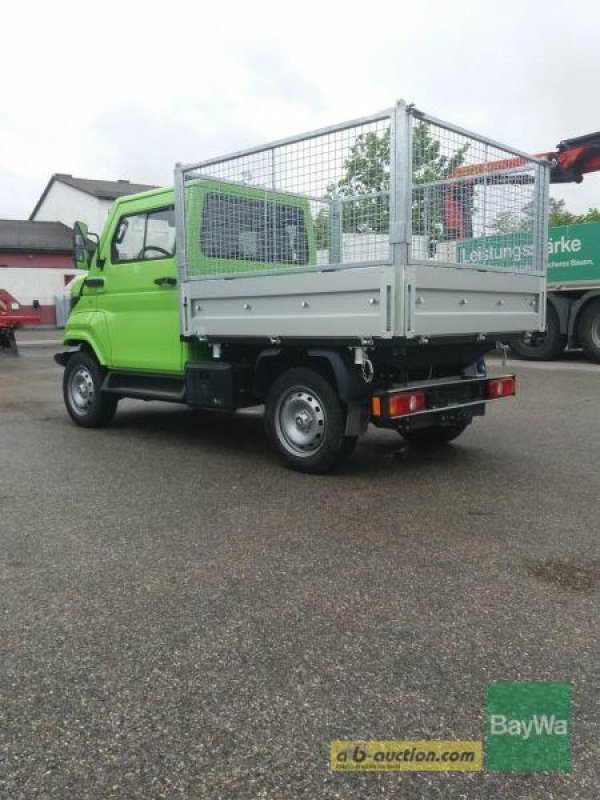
(126, 310)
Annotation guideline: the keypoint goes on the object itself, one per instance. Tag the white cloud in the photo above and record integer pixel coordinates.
(126, 89)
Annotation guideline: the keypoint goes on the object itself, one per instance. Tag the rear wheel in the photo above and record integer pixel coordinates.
(86, 404)
(588, 330)
(542, 346)
(305, 421)
(435, 434)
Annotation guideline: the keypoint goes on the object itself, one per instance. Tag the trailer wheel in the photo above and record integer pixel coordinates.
(305, 421)
(542, 346)
(588, 330)
(435, 434)
(86, 404)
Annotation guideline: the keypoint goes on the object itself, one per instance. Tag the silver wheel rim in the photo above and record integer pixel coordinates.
(301, 421)
(81, 391)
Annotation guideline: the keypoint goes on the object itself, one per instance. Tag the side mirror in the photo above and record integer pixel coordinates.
(80, 246)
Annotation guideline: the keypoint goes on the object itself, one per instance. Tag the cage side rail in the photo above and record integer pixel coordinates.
(524, 170)
(423, 117)
(303, 137)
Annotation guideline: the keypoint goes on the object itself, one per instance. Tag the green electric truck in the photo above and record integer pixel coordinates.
(299, 275)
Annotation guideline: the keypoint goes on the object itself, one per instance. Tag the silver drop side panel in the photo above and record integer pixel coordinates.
(340, 304)
(454, 302)
(370, 302)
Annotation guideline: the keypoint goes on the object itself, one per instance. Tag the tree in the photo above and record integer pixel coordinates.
(507, 222)
(365, 184)
(367, 172)
(559, 215)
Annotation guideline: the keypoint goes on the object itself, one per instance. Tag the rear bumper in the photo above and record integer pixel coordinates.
(438, 402)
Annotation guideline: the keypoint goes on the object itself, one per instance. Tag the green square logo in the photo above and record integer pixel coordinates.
(528, 727)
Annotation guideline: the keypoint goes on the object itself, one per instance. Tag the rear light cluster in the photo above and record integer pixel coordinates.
(409, 403)
(401, 404)
(501, 387)
(398, 404)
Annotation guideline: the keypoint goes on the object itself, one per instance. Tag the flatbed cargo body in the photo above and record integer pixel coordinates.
(370, 302)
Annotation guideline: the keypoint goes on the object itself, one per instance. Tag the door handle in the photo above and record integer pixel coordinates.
(165, 281)
(94, 283)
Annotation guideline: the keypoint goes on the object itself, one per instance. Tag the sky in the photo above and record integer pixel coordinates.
(124, 90)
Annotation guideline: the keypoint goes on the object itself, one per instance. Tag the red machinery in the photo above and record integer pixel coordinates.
(571, 160)
(10, 320)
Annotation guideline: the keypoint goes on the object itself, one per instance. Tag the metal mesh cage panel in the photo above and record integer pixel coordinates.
(473, 203)
(331, 198)
(313, 201)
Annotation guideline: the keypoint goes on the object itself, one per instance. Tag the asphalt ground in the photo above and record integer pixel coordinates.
(184, 618)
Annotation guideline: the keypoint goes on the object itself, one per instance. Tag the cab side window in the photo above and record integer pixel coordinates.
(144, 237)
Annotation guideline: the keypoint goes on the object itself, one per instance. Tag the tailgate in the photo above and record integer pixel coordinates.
(447, 301)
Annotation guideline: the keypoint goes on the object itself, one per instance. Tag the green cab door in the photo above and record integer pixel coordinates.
(139, 298)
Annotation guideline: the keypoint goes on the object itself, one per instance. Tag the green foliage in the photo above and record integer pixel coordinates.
(366, 182)
(560, 216)
(507, 222)
(430, 164)
(367, 173)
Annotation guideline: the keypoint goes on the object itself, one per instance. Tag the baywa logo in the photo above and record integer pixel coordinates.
(528, 727)
(501, 725)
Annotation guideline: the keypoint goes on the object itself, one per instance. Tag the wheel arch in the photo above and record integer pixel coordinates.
(80, 344)
(338, 368)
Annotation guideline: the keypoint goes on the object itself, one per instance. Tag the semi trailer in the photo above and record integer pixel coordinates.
(297, 275)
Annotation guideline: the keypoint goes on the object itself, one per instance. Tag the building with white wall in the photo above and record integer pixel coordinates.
(36, 264)
(67, 199)
(36, 255)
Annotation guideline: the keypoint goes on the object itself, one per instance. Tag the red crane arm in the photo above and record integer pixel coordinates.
(572, 159)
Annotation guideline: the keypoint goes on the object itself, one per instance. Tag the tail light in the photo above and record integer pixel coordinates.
(501, 387)
(399, 404)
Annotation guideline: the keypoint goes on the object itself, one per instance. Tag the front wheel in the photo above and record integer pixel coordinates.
(87, 405)
(435, 434)
(305, 421)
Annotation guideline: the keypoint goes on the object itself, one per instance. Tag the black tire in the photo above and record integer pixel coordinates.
(305, 421)
(86, 404)
(588, 330)
(435, 434)
(545, 346)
